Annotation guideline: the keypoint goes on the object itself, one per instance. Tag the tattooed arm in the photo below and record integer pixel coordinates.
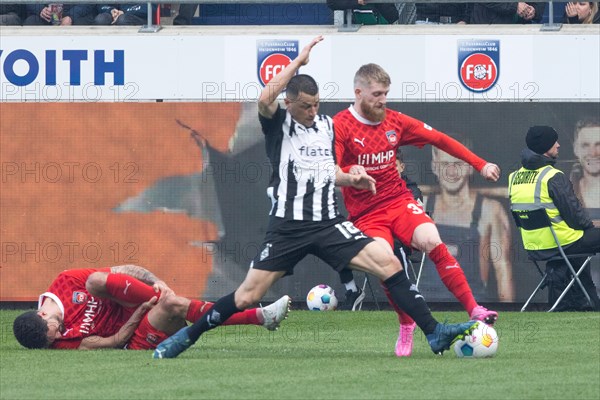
(142, 274)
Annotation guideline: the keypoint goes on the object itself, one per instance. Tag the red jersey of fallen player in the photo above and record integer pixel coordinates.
(84, 315)
(373, 145)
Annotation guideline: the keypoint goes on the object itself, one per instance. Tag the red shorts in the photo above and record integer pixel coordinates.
(397, 219)
(146, 337)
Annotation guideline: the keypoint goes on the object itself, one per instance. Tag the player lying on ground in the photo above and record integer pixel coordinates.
(119, 307)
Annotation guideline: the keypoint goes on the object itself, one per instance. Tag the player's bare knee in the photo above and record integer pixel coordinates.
(172, 304)
(246, 302)
(426, 237)
(387, 265)
(429, 244)
(393, 265)
(396, 264)
(96, 283)
(245, 299)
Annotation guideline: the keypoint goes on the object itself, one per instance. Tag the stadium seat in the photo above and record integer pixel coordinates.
(531, 220)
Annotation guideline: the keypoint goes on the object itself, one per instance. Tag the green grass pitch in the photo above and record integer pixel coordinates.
(315, 355)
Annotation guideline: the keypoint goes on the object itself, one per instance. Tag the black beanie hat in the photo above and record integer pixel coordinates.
(540, 139)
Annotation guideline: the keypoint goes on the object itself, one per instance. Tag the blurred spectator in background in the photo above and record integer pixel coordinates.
(367, 12)
(581, 13)
(10, 14)
(123, 14)
(407, 13)
(443, 13)
(60, 14)
(185, 14)
(507, 13)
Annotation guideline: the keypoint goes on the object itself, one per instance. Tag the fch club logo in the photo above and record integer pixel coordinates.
(392, 137)
(478, 64)
(272, 56)
(79, 298)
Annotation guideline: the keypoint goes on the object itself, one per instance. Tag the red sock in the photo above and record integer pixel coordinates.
(198, 308)
(246, 317)
(129, 289)
(453, 276)
(403, 317)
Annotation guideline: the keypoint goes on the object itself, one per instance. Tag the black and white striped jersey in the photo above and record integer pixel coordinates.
(302, 185)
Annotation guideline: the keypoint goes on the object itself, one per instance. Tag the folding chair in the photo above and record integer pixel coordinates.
(364, 287)
(417, 274)
(530, 220)
(407, 262)
(423, 255)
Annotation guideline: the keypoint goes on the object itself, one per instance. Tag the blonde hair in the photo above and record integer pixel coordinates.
(370, 73)
(593, 11)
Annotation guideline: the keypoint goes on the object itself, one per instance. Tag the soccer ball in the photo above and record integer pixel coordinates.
(481, 343)
(321, 298)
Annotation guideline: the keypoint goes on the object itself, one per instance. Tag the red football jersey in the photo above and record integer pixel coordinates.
(373, 145)
(84, 315)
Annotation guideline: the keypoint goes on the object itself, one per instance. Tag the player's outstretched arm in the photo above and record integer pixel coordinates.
(267, 104)
(119, 339)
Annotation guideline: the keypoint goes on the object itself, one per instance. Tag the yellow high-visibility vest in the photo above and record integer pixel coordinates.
(528, 190)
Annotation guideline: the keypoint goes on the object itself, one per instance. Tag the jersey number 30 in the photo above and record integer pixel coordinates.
(414, 208)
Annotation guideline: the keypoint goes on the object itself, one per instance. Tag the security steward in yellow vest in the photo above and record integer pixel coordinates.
(538, 184)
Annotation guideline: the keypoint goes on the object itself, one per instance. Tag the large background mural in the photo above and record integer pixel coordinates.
(181, 189)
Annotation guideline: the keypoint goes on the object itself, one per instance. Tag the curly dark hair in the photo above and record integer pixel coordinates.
(30, 330)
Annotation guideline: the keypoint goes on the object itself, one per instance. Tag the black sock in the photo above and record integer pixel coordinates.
(407, 297)
(215, 316)
(346, 275)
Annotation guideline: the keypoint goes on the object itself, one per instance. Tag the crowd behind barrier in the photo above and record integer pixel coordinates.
(296, 12)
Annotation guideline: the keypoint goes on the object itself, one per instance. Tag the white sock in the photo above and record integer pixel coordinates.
(351, 286)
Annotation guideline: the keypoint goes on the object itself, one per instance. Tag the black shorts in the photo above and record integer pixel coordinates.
(335, 241)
